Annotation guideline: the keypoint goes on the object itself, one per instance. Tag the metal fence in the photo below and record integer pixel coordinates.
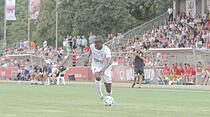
(139, 30)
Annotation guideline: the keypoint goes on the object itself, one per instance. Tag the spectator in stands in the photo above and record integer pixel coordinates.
(45, 44)
(26, 43)
(166, 73)
(170, 13)
(91, 38)
(186, 74)
(192, 75)
(84, 43)
(21, 44)
(33, 45)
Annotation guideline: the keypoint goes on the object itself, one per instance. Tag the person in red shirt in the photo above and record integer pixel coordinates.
(181, 69)
(186, 74)
(166, 70)
(189, 74)
(165, 74)
(177, 71)
(193, 75)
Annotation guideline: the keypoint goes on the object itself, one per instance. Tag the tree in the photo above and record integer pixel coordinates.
(80, 17)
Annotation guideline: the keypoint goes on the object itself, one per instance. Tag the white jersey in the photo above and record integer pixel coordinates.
(99, 56)
(99, 61)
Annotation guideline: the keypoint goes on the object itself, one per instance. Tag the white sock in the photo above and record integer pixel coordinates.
(32, 81)
(109, 94)
(98, 86)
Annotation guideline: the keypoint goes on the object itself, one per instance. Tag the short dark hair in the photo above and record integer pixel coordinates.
(99, 38)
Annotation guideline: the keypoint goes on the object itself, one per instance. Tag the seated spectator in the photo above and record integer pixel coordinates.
(201, 72)
(193, 75)
(207, 75)
(46, 73)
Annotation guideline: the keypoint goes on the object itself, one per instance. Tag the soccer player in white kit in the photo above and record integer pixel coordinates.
(101, 65)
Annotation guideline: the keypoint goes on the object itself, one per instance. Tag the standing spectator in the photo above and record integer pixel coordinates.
(26, 43)
(91, 38)
(21, 44)
(84, 42)
(138, 66)
(64, 44)
(33, 45)
(170, 13)
(26, 68)
(78, 41)
(45, 44)
(74, 44)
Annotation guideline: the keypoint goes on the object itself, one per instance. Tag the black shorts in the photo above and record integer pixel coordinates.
(139, 71)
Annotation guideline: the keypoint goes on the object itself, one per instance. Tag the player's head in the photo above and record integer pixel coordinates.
(98, 42)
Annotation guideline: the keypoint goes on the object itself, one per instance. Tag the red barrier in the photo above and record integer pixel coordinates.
(5, 72)
(80, 73)
(122, 73)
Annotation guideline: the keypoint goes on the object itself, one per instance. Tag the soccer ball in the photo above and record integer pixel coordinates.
(108, 101)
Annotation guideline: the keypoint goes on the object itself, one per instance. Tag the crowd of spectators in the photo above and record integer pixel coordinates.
(182, 32)
(184, 74)
(47, 53)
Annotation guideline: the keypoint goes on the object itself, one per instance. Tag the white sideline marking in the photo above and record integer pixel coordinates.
(7, 115)
(182, 90)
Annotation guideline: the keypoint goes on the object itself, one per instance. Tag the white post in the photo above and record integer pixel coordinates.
(29, 23)
(174, 8)
(202, 7)
(56, 41)
(5, 27)
(194, 60)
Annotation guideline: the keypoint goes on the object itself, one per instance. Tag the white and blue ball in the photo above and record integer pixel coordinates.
(108, 101)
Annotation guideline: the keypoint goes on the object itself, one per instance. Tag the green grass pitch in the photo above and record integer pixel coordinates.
(24, 100)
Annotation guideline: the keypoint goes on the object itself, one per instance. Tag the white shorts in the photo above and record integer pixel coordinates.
(106, 78)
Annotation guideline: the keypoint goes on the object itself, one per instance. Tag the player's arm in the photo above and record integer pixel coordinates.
(108, 61)
(142, 58)
(88, 58)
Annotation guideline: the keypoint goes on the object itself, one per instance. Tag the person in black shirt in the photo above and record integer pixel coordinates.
(59, 70)
(138, 66)
(37, 75)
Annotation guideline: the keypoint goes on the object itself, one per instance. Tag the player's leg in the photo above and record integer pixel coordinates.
(134, 81)
(108, 89)
(135, 76)
(98, 84)
(106, 78)
(141, 72)
(140, 80)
